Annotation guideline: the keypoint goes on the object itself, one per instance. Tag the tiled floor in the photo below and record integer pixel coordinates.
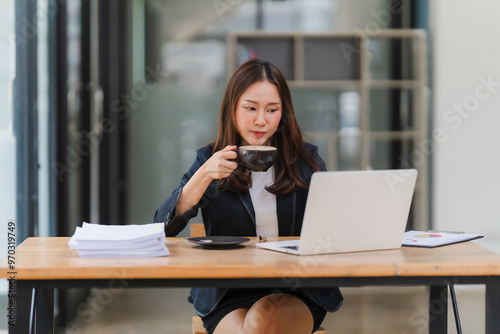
(366, 310)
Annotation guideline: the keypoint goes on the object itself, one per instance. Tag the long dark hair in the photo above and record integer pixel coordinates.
(288, 137)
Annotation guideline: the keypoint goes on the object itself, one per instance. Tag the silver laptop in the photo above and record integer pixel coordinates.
(353, 211)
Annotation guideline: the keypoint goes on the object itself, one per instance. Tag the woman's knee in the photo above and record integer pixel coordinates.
(262, 315)
(232, 322)
(278, 313)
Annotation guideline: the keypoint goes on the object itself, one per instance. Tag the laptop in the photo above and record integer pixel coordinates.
(353, 211)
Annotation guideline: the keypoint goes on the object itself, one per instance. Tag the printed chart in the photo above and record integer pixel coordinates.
(435, 239)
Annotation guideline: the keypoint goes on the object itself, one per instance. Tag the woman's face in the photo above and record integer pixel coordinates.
(258, 113)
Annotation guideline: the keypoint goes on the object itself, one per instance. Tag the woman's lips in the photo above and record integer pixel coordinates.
(258, 133)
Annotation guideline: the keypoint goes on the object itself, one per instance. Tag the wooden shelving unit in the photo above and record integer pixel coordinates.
(335, 67)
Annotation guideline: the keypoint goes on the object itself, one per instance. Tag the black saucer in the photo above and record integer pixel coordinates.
(219, 241)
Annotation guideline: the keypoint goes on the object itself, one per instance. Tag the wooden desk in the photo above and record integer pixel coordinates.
(47, 263)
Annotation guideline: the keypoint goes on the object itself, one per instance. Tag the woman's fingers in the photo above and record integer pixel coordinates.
(220, 164)
(228, 153)
(229, 148)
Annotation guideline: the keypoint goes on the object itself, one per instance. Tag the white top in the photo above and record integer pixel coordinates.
(264, 203)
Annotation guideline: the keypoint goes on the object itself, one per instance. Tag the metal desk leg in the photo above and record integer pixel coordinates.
(455, 309)
(493, 305)
(44, 318)
(438, 309)
(21, 322)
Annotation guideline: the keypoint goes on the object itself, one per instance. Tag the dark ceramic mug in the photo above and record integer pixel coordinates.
(257, 158)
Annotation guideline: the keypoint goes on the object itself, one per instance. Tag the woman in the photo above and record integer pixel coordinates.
(256, 110)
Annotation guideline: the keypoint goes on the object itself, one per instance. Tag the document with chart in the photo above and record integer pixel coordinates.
(436, 238)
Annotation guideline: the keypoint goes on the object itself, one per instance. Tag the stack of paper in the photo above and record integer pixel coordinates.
(94, 240)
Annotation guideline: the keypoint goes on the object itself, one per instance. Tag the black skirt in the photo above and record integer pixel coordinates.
(238, 298)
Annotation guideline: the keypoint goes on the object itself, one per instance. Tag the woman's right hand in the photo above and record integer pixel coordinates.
(219, 165)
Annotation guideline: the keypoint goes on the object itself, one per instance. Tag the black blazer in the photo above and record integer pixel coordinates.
(230, 213)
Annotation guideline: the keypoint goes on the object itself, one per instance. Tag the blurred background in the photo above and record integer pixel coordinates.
(104, 104)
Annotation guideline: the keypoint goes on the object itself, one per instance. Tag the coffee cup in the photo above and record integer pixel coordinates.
(257, 158)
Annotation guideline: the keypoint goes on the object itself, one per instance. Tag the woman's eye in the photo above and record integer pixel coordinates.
(272, 110)
(250, 108)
